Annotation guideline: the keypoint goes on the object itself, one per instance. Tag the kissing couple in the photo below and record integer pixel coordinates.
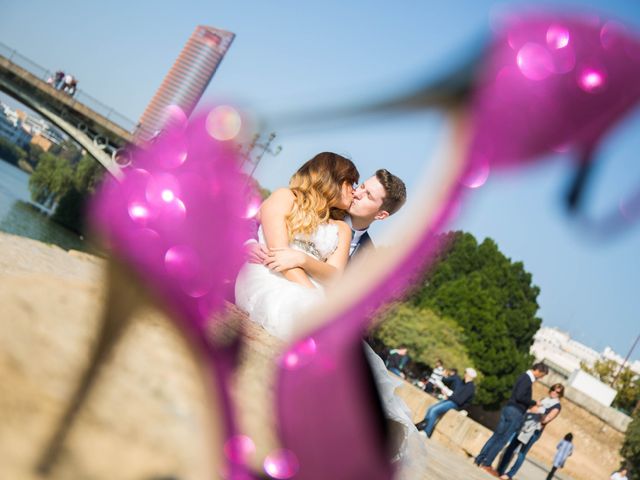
(308, 234)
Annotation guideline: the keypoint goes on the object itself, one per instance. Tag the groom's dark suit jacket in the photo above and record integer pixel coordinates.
(364, 243)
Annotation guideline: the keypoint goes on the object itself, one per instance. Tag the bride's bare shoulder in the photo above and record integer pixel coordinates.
(281, 193)
(280, 199)
(343, 227)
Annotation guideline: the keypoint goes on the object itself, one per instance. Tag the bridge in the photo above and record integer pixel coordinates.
(100, 130)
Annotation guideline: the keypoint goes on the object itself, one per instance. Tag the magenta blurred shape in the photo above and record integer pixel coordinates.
(300, 354)
(281, 464)
(546, 80)
(196, 209)
(239, 448)
(177, 219)
(576, 77)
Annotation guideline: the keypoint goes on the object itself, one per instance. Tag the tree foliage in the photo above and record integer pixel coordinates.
(51, 180)
(630, 450)
(10, 152)
(60, 183)
(627, 383)
(494, 302)
(426, 335)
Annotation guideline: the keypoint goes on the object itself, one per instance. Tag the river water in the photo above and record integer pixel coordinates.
(21, 216)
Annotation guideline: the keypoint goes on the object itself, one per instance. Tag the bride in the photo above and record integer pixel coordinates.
(307, 217)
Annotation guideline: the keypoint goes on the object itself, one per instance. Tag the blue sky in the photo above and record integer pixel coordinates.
(296, 56)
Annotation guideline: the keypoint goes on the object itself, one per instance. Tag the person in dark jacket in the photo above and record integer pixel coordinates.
(452, 380)
(460, 399)
(532, 428)
(397, 360)
(511, 416)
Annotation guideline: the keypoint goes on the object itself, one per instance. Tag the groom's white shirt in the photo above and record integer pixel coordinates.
(356, 235)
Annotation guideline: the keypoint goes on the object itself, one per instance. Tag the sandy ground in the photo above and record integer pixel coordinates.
(149, 415)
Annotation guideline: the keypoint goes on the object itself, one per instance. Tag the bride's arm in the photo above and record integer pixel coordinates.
(338, 259)
(281, 259)
(273, 214)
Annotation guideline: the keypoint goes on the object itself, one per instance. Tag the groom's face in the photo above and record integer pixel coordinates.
(367, 201)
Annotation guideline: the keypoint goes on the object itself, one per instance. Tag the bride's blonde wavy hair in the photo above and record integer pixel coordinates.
(317, 187)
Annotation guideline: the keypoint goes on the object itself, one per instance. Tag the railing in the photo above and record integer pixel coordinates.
(79, 96)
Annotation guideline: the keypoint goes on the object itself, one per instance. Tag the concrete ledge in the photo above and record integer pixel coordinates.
(596, 442)
(455, 429)
(612, 417)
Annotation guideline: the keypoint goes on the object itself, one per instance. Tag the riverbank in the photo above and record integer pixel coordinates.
(19, 215)
(25, 166)
(149, 416)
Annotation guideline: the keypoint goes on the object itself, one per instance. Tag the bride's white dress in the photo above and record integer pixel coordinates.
(278, 304)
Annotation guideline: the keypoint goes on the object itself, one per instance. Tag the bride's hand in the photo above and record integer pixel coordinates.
(256, 253)
(281, 259)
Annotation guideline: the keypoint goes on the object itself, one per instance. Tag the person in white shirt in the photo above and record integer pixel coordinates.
(619, 475)
(435, 379)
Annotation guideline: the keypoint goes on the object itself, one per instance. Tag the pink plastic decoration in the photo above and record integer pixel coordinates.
(546, 80)
(177, 217)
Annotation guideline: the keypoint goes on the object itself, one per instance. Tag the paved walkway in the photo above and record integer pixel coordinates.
(447, 465)
(150, 410)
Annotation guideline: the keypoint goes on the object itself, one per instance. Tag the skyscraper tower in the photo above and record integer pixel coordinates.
(188, 78)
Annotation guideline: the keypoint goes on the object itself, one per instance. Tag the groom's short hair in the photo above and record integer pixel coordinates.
(395, 191)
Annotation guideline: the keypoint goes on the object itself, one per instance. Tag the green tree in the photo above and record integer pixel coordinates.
(10, 152)
(495, 303)
(427, 336)
(33, 154)
(630, 450)
(56, 182)
(51, 180)
(67, 150)
(627, 383)
(88, 173)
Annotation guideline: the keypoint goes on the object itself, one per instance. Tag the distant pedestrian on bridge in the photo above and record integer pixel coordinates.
(58, 79)
(70, 84)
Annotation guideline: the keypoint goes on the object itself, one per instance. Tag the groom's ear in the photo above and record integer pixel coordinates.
(381, 215)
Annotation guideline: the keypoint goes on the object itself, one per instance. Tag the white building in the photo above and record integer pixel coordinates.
(38, 126)
(561, 351)
(609, 354)
(32, 126)
(12, 131)
(592, 387)
(558, 347)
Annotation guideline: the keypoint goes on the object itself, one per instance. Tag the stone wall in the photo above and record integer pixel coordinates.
(610, 416)
(596, 443)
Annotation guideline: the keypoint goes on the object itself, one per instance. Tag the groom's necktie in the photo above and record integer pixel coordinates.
(354, 242)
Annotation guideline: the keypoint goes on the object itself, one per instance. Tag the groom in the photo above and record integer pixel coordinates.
(377, 198)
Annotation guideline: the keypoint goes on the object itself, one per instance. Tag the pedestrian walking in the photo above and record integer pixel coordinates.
(58, 79)
(564, 451)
